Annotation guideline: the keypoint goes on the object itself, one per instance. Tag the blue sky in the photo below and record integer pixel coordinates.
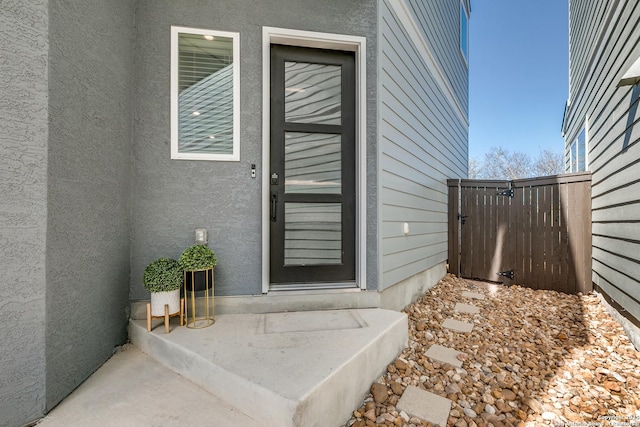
(518, 74)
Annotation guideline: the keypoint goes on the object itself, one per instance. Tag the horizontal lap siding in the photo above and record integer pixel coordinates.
(586, 20)
(622, 288)
(436, 19)
(614, 143)
(422, 138)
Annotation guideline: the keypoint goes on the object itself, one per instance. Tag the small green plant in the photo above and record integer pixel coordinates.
(197, 257)
(163, 275)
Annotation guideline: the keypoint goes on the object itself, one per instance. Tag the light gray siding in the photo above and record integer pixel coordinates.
(585, 27)
(597, 65)
(171, 198)
(423, 135)
(90, 95)
(23, 208)
(439, 23)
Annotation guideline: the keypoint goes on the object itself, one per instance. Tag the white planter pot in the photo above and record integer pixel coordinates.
(159, 299)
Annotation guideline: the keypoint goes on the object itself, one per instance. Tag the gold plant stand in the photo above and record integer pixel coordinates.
(195, 320)
(166, 316)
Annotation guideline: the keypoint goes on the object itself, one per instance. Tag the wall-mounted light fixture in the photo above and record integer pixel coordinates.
(201, 236)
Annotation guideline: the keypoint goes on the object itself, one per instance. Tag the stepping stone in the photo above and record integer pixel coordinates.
(473, 295)
(424, 405)
(466, 308)
(444, 354)
(457, 325)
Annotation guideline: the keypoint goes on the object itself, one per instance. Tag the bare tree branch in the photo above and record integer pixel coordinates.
(549, 162)
(475, 168)
(500, 163)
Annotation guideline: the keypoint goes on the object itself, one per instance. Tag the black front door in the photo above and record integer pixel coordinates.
(312, 176)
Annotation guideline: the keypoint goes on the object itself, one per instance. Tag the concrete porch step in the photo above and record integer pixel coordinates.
(284, 369)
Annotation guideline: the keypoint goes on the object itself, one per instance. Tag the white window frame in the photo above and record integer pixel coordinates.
(175, 154)
(357, 44)
(463, 9)
(575, 143)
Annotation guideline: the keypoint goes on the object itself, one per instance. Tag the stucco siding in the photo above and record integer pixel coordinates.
(613, 141)
(23, 208)
(423, 134)
(171, 198)
(90, 96)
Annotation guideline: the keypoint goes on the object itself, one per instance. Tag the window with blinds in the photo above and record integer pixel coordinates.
(204, 94)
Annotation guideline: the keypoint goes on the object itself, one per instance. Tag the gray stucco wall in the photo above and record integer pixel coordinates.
(173, 197)
(90, 97)
(23, 209)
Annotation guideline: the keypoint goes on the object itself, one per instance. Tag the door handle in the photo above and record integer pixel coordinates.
(274, 206)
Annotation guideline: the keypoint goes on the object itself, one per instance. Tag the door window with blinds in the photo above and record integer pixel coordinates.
(205, 94)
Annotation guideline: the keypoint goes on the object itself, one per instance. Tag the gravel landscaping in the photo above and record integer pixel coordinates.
(533, 358)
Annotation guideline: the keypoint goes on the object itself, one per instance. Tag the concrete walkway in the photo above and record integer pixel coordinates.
(133, 390)
(429, 406)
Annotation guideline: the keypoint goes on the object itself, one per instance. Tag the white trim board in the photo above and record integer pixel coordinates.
(271, 35)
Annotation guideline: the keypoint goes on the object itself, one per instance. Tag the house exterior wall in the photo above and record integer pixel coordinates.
(423, 131)
(604, 42)
(23, 208)
(91, 195)
(171, 198)
(90, 95)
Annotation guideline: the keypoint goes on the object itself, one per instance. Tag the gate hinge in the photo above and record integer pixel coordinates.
(508, 273)
(508, 192)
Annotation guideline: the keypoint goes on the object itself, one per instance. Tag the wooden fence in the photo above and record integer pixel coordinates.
(532, 232)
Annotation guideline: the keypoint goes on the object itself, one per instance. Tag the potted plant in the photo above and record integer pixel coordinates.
(163, 278)
(199, 260)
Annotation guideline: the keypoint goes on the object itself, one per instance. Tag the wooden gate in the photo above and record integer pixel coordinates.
(532, 232)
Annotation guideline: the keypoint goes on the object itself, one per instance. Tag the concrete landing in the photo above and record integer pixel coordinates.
(284, 369)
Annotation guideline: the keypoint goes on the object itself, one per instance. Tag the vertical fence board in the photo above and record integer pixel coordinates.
(526, 226)
(546, 209)
(564, 237)
(517, 233)
(454, 226)
(534, 239)
(508, 250)
(479, 233)
(572, 237)
(579, 239)
(555, 235)
(465, 235)
(583, 223)
(588, 236)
